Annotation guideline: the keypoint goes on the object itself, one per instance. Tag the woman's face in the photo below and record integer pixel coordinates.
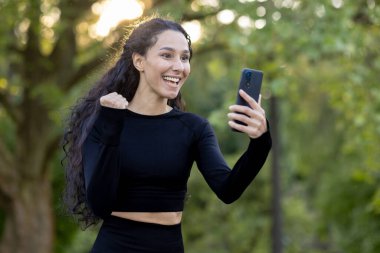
(165, 67)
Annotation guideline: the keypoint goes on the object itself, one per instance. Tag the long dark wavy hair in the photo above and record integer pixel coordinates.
(122, 78)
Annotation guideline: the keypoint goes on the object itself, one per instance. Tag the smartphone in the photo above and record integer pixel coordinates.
(250, 82)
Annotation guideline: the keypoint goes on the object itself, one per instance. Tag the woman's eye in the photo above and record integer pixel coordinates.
(185, 58)
(166, 55)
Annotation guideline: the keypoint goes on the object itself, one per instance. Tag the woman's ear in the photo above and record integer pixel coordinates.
(138, 61)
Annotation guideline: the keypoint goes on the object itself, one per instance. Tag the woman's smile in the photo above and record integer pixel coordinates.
(172, 79)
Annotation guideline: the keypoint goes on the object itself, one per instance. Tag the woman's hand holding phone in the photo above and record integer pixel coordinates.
(253, 117)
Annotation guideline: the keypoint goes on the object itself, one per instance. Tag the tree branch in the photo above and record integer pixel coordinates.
(82, 72)
(198, 15)
(92, 64)
(74, 9)
(189, 16)
(65, 48)
(71, 10)
(9, 109)
(158, 3)
(211, 47)
(361, 15)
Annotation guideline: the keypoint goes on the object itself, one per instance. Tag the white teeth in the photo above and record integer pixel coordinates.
(172, 79)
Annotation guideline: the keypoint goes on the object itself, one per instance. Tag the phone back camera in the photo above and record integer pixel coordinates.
(248, 76)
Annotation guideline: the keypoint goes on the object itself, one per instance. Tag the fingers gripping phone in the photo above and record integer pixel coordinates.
(250, 82)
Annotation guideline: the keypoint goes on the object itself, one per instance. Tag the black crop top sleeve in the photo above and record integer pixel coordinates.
(100, 156)
(229, 184)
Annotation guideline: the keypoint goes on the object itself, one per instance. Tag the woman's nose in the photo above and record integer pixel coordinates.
(178, 65)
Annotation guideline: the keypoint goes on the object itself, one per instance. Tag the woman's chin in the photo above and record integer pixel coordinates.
(172, 96)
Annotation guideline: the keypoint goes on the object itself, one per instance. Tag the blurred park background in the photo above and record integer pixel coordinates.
(320, 188)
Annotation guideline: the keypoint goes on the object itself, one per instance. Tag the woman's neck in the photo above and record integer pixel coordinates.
(147, 106)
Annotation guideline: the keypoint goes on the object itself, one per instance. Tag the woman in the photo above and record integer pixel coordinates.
(131, 146)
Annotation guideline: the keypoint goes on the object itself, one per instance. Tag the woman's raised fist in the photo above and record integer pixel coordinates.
(114, 100)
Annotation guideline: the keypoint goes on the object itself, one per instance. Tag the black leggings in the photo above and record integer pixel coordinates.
(119, 235)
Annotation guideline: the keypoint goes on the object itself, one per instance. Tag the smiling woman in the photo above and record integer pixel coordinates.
(132, 146)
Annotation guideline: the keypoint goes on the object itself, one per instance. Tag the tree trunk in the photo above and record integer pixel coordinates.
(28, 207)
(277, 246)
(29, 219)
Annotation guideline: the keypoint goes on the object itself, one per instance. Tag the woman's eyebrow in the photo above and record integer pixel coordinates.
(173, 50)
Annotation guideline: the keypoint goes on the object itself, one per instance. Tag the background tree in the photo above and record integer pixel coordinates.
(40, 65)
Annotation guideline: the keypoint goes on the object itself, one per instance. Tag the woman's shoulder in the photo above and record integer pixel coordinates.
(192, 120)
(191, 117)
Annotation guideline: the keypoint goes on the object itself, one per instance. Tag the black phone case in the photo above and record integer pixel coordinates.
(250, 82)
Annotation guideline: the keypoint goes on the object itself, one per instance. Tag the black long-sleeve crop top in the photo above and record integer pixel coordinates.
(142, 163)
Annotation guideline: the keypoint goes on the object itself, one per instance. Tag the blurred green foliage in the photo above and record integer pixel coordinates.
(320, 59)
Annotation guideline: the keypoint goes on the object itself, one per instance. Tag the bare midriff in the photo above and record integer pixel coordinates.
(163, 218)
